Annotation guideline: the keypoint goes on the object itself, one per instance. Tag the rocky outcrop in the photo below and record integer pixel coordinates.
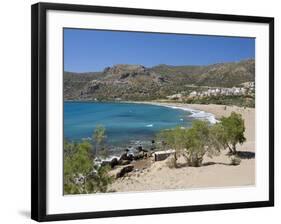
(124, 170)
(122, 69)
(136, 82)
(127, 156)
(92, 87)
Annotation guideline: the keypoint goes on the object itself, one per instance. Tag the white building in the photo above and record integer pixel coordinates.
(193, 94)
(175, 96)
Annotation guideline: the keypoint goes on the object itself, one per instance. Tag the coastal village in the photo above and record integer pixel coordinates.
(246, 89)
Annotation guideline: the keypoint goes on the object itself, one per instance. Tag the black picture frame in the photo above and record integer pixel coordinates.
(38, 116)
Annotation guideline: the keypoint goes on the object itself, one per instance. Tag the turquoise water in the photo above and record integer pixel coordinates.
(125, 123)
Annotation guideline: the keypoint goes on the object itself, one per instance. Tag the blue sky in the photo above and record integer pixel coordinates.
(93, 50)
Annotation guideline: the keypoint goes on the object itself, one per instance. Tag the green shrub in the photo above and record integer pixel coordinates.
(233, 134)
(174, 138)
(205, 139)
(192, 143)
(196, 144)
(81, 175)
(99, 138)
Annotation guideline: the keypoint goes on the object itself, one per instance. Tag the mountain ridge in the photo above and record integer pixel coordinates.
(137, 82)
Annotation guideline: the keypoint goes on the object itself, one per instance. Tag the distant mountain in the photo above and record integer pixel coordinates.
(136, 82)
(73, 83)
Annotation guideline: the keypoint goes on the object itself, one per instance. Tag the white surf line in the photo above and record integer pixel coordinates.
(149, 125)
(198, 114)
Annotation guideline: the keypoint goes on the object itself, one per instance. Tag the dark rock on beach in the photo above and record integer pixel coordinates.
(123, 162)
(138, 156)
(113, 162)
(126, 156)
(124, 170)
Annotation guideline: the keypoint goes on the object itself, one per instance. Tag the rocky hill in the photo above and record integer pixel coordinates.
(136, 82)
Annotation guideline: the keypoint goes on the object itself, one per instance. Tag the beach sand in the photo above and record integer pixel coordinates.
(215, 172)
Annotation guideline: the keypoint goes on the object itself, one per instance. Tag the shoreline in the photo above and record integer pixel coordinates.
(248, 114)
(211, 112)
(215, 173)
(207, 108)
(195, 112)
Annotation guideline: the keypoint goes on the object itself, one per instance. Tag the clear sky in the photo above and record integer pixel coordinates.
(93, 50)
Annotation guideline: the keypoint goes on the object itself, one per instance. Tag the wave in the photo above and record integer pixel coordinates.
(198, 114)
(149, 125)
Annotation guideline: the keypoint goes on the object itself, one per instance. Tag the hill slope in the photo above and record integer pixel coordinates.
(136, 82)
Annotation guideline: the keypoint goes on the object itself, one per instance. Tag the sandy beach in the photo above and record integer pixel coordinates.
(215, 172)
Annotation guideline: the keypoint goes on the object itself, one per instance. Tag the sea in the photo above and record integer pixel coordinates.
(126, 124)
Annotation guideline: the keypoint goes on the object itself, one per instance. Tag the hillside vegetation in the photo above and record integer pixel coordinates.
(136, 82)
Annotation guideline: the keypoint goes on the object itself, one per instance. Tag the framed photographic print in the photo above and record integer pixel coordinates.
(139, 111)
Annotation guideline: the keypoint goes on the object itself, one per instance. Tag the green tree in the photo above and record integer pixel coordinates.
(77, 165)
(193, 143)
(99, 180)
(99, 138)
(205, 139)
(69, 147)
(174, 138)
(233, 134)
(81, 175)
(218, 136)
(188, 142)
(200, 141)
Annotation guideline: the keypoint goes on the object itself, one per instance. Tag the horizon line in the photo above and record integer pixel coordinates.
(226, 62)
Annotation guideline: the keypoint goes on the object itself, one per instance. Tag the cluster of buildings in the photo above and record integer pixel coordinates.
(245, 89)
(234, 91)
